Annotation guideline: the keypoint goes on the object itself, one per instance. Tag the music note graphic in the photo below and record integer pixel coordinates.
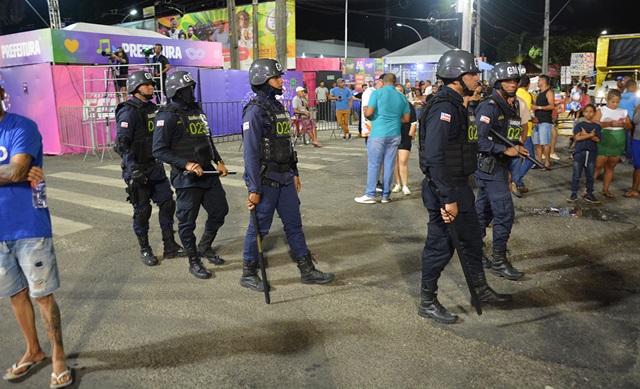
(105, 45)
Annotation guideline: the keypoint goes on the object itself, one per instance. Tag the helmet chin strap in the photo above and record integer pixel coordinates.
(467, 91)
(499, 87)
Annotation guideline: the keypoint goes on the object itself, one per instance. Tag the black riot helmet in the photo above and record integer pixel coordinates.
(262, 70)
(179, 80)
(454, 64)
(503, 71)
(138, 78)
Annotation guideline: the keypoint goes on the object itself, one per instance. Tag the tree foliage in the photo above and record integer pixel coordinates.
(517, 48)
(11, 12)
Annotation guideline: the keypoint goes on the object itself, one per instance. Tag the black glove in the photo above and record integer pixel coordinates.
(138, 177)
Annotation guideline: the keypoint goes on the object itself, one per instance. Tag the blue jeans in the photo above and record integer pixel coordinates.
(515, 167)
(583, 160)
(526, 164)
(28, 263)
(381, 151)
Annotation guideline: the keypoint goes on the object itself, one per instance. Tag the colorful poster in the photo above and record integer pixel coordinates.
(88, 47)
(26, 48)
(213, 26)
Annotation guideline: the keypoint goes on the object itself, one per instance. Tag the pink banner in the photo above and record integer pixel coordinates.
(314, 64)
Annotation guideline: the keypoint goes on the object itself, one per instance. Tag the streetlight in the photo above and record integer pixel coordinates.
(604, 32)
(414, 30)
(131, 13)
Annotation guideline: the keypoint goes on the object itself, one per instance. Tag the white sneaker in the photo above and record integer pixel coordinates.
(405, 190)
(385, 200)
(396, 188)
(555, 157)
(365, 200)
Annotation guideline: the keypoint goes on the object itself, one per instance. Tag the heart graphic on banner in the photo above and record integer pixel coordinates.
(71, 45)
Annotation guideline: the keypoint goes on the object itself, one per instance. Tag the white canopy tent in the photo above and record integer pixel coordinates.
(427, 50)
(104, 29)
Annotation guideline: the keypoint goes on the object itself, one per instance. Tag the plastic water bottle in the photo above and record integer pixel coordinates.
(39, 195)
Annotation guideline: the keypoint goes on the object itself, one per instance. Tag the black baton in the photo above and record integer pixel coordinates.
(456, 244)
(511, 144)
(212, 172)
(263, 267)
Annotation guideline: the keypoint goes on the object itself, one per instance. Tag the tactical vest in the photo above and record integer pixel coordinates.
(276, 149)
(195, 144)
(142, 142)
(508, 124)
(460, 153)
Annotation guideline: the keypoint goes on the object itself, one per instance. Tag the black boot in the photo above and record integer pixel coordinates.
(308, 272)
(486, 295)
(250, 278)
(430, 306)
(171, 248)
(486, 263)
(205, 250)
(501, 266)
(195, 265)
(146, 254)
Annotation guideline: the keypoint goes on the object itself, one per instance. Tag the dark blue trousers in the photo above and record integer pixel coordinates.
(158, 191)
(188, 202)
(494, 203)
(583, 160)
(438, 248)
(285, 200)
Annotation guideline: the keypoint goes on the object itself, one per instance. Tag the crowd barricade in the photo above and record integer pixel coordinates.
(225, 120)
(87, 129)
(324, 114)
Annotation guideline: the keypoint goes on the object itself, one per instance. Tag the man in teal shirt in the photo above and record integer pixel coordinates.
(388, 109)
(343, 98)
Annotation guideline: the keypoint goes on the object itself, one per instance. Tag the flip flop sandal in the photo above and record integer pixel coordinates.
(57, 379)
(607, 194)
(29, 365)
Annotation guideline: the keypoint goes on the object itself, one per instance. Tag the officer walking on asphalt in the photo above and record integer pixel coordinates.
(271, 175)
(499, 112)
(183, 140)
(145, 177)
(448, 158)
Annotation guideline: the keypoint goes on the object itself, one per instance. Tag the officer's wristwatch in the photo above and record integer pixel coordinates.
(220, 162)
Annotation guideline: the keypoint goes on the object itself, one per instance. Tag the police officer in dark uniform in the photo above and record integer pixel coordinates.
(271, 175)
(448, 158)
(145, 177)
(183, 140)
(499, 112)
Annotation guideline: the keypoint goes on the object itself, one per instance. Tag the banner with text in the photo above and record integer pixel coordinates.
(26, 48)
(90, 48)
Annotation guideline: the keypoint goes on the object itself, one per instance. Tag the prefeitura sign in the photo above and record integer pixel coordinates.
(582, 63)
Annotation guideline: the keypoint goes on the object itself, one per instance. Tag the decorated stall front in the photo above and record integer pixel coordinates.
(45, 70)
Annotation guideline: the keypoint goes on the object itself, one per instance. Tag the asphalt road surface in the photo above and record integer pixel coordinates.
(573, 323)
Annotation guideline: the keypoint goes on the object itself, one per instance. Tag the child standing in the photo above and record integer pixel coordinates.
(586, 134)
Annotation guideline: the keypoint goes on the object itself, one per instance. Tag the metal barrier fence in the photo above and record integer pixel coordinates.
(87, 129)
(92, 129)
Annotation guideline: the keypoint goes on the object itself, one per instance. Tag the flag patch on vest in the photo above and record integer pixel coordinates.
(445, 116)
(485, 119)
(160, 123)
(245, 126)
(124, 124)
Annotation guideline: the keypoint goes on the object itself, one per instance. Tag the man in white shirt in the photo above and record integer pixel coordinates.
(321, 100)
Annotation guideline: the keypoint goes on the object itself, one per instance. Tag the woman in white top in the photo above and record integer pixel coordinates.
(614, 122)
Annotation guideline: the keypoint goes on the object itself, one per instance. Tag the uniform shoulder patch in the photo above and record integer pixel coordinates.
(485, 119)
(245, 126)
(445, 116)
(160, 123)
(124, 124)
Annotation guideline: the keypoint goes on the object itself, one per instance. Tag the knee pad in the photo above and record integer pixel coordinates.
(168, 209)
(141, 215)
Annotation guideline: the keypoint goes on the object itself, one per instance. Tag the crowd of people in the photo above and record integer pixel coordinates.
(491, 130)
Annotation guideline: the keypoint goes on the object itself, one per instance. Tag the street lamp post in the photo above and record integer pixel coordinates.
(545, 44)
(414, 30)
(131, 13)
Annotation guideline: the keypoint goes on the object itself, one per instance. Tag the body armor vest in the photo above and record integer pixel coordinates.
(142, 142)
(195, 145)
(508, 124)
(460, 153)
(276, 149)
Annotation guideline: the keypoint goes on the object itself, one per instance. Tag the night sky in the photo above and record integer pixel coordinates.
(324, 19)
